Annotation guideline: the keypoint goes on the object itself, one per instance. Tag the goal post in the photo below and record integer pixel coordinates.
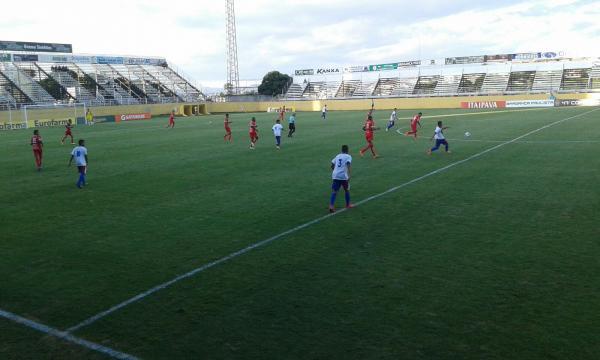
(54, 115)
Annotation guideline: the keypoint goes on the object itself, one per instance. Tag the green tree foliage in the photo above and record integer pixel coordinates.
(274, 83)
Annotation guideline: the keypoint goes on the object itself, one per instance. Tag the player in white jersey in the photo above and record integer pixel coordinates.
(341, 166)
(324, 112)
(277, 128)
(392, 122)
(79, 153)
(439, 137)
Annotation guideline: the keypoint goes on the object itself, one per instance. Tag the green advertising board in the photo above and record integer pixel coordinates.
(380, 67)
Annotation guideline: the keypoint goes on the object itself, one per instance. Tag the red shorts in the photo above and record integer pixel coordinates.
(68, 133)
(253, 135)
(227, 130)
(369, 136)
(413, 128)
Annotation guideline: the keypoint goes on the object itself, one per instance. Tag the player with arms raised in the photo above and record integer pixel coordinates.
(341, 166)
(227, 136)
(369, 129)
(416, 120)
(253, 132)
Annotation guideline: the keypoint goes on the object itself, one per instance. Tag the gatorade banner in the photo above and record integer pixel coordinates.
(131, 117)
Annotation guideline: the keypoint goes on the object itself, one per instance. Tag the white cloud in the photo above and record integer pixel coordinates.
(290, 34)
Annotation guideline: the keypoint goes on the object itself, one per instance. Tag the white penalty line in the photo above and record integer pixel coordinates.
(65, 336)
(259, 244)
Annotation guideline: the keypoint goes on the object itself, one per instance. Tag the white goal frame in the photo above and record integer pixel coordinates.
(78, 110)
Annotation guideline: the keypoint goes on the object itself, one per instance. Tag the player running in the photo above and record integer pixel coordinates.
(369, 129)
(324, 112)
(439, 138)
(171, 120)
(392, 122)
(227, 136)
(37, 145)
(277, 129)
(79, 153)
(292, 125)
(68, 133)
(416, 120)
(253, 132)
(341, 166)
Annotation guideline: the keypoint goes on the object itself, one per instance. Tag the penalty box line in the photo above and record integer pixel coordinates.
(63, 335)
(262, 243)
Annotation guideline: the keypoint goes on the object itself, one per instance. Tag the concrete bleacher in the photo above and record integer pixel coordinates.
(365, 89)
(547, 80)
(92, 80)
(575, 79)
(452, 79)
(494, 83)
(471, 83)
(595, 77)
(426, 85)
(520, 80)
(347, 88)
(22, 78)
(448, 84)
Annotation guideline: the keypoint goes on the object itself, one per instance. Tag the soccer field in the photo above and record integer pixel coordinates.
(490, 252)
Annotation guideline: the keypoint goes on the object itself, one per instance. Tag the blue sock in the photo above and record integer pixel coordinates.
(332, 200)
(347, 194)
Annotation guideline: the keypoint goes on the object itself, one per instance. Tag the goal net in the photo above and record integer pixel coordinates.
(53, 115)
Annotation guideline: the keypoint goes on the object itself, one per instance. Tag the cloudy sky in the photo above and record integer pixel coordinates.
(293, 34)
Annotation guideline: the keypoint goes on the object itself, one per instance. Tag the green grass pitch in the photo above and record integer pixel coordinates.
(494, 258)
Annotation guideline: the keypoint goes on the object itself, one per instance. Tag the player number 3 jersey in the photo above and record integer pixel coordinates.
(340, 167)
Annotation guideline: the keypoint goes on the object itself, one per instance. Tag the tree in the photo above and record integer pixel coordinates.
(274, 83)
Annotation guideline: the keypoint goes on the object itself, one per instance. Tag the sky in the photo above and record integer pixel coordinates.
(285, 35)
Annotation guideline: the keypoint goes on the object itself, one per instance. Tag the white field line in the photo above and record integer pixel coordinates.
(262, 243)
(531, 141)
(65, 336)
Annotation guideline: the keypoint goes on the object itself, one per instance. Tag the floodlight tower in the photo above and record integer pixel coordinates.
(233, 73)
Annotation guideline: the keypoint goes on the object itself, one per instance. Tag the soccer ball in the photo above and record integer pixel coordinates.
(467, 134)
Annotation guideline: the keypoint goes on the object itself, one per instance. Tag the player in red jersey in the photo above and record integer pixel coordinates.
(282, 114)
(227, 136)
(253, 133)
(369, 129)
(68, 133)
(37, 145)
(171, 120)
(413, 125)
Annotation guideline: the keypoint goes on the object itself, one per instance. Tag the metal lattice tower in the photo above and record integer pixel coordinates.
(233, 73)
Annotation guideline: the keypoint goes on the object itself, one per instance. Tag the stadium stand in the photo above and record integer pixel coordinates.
(426, 85)
(547, 80)
(595, 77)
(471, 83)
(23, 79)
(37, 78)
(575, 79)
(526, 74)
(347, 88)
(520, 81)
